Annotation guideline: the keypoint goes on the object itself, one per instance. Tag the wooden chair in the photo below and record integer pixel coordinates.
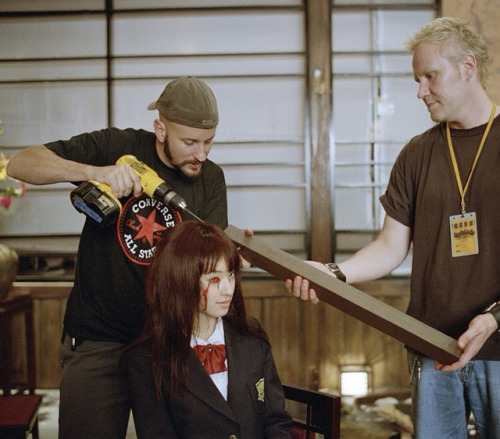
(321, 415)
(19, 416)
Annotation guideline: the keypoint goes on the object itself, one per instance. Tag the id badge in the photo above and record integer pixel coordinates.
(463, 229)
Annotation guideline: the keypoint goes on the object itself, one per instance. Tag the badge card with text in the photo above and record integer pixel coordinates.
(463, 229)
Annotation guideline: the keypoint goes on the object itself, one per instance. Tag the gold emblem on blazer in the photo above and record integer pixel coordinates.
(259, 385)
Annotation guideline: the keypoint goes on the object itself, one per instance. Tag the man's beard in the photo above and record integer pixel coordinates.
(180, 167)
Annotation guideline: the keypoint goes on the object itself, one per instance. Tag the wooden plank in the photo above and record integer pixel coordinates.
(348, 299)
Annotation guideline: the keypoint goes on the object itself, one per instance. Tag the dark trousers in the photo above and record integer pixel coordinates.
(94, 401)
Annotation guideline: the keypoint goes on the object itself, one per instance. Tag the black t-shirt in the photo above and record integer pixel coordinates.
(448, 292)
(107, 301)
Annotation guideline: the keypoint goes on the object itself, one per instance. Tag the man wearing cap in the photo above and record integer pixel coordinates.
(105, 308)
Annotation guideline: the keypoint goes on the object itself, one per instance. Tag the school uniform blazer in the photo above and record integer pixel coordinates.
(254, 409)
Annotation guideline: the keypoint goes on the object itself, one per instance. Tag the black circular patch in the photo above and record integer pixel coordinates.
(140, 226)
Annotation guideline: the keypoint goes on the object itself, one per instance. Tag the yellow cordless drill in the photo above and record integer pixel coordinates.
(97, 201)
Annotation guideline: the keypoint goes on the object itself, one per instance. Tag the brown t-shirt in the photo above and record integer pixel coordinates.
(448, 292)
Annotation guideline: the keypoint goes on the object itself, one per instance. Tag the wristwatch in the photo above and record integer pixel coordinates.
(334, 268)
(494, 309)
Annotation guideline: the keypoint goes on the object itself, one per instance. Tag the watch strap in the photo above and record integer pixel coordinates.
(335, 269)
(494, 310)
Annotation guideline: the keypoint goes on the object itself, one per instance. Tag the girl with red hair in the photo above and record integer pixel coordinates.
(201, 369)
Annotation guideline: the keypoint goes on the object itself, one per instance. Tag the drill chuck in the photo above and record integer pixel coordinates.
(169, 197)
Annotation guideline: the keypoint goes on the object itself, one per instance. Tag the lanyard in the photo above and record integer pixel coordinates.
(461, 189)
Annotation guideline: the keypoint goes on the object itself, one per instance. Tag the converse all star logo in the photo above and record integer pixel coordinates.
(140, 226)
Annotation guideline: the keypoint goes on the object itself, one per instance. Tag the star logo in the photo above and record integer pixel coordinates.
(148, 228)
(141, 225)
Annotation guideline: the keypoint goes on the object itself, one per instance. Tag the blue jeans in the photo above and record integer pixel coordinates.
(443, 401)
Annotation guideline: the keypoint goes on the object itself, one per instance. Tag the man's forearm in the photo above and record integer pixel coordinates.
(380, 257)
(39, 165)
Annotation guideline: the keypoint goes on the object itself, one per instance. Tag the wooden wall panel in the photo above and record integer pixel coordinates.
(313, 342)
(347, 341)
(48, 316)
(292, 327)
(254, 308)
(310, 342)
(19, 348)
(281, 317)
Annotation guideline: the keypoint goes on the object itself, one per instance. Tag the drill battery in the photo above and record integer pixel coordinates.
(97, 201)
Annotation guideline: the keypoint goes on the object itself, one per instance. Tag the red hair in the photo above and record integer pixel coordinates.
(183, 255)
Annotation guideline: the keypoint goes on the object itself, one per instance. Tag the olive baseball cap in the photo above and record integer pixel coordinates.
(188, 101)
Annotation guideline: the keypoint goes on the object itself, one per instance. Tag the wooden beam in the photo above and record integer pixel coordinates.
(319, 135)
(348, 299)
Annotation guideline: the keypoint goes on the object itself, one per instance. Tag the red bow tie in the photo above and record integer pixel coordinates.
(212, 357)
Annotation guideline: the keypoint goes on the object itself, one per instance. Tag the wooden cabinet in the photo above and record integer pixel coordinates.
(49, 303)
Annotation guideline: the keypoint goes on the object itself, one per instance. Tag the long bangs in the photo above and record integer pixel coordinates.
(205, 244)
(215, 250)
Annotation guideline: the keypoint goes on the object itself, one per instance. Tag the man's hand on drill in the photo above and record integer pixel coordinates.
(121, 178)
